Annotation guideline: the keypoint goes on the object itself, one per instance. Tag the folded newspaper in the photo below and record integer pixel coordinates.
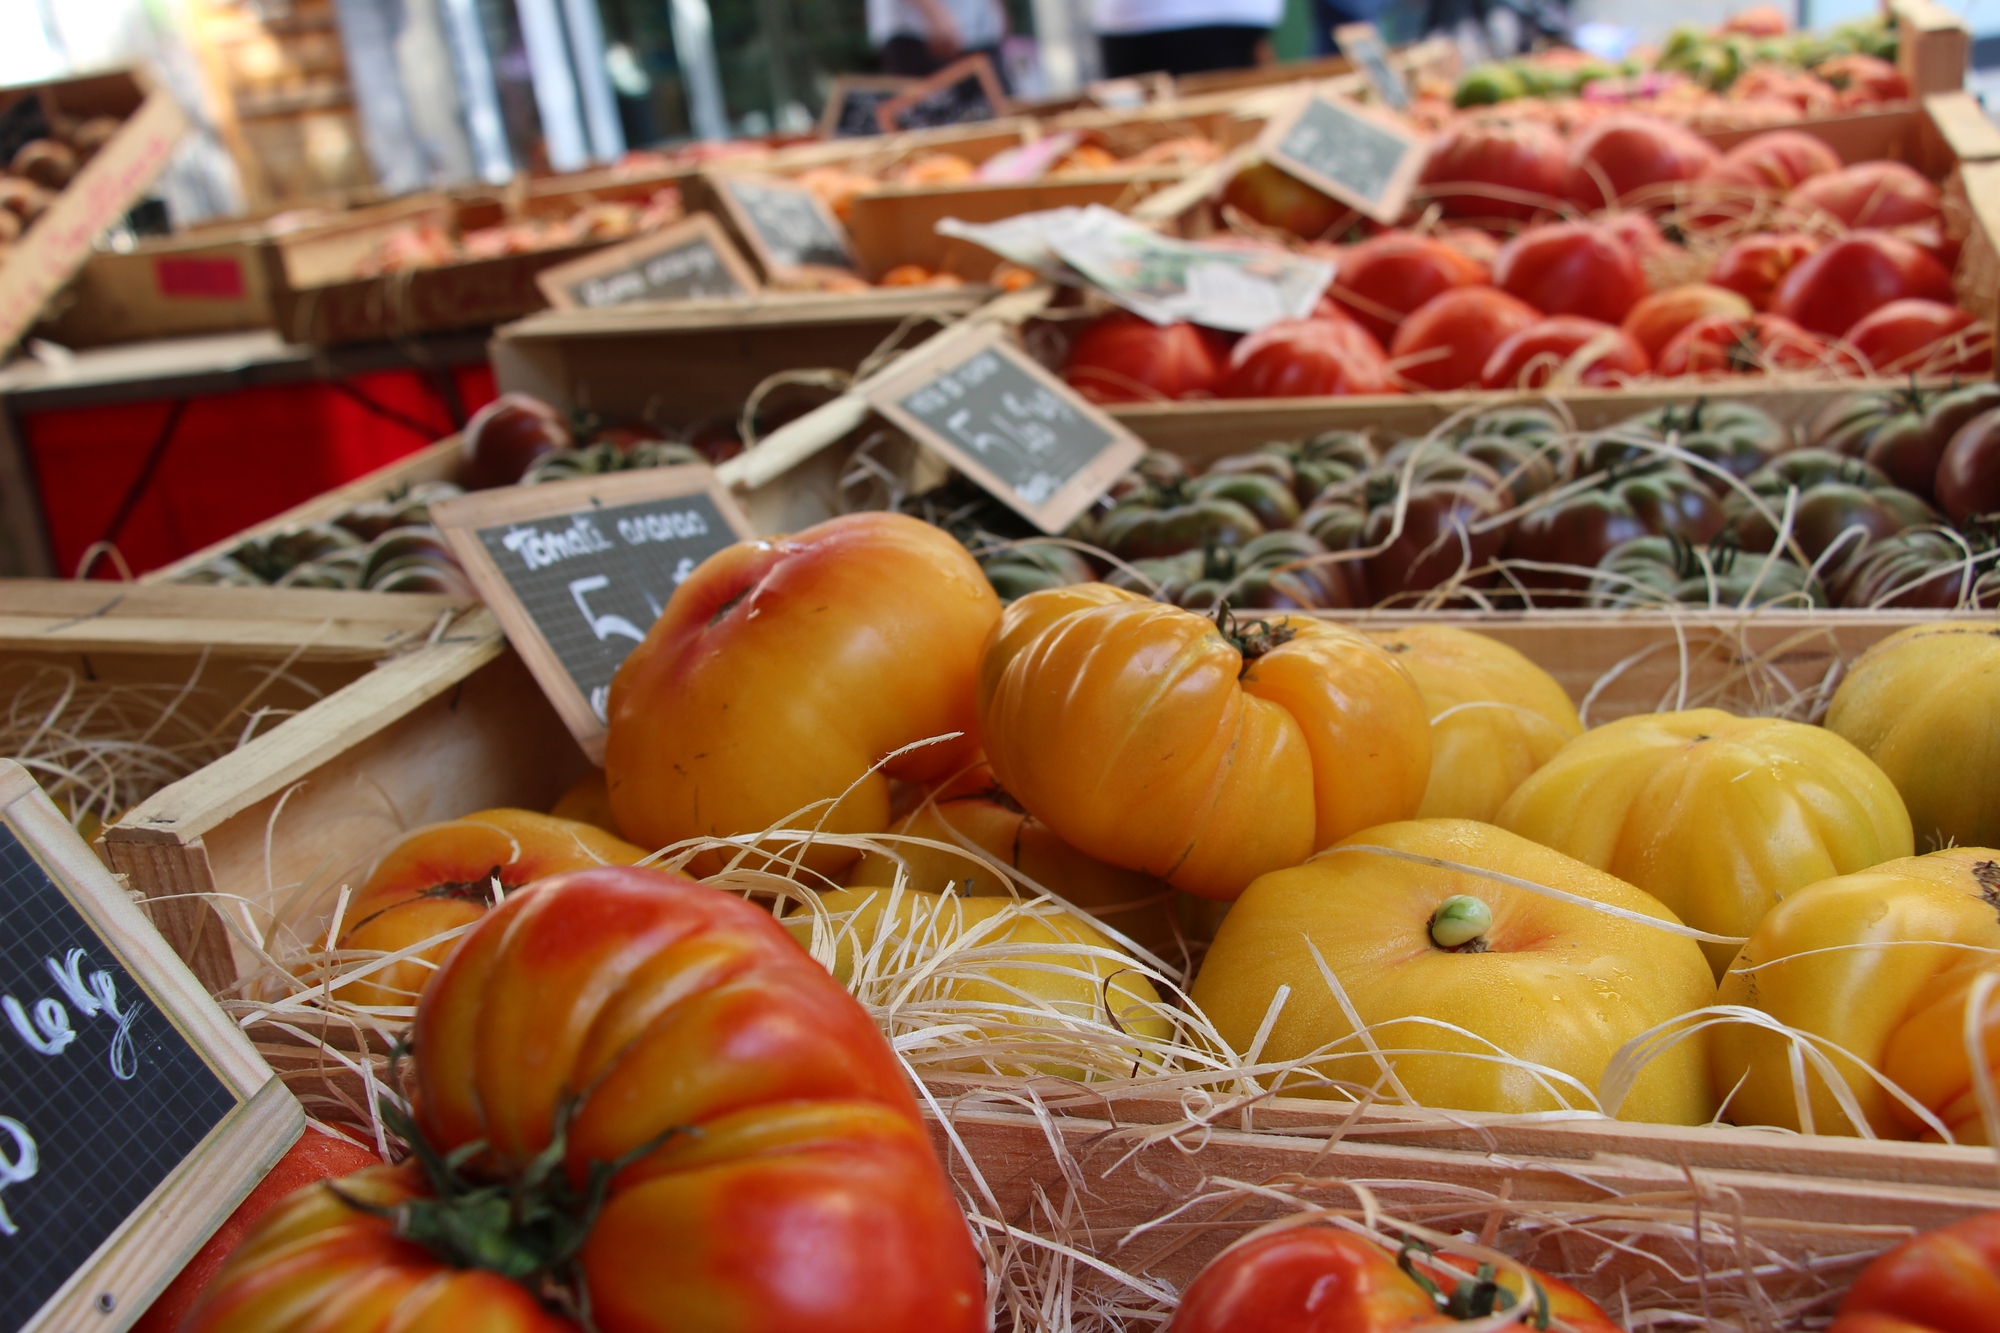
(1222, 286)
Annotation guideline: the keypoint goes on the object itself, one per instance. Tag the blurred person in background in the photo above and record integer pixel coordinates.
(1184, 36)
(917, 38)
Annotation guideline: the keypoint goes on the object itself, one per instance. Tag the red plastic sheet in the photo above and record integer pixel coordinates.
(233, 459)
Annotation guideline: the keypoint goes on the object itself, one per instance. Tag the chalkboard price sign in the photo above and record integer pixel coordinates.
(578, 571)
(690, 261)
(786, 225)
(1362, 43)
(1018, 431)
(961, 93)
(1365, 159)
(851, 105)
(134, 1116)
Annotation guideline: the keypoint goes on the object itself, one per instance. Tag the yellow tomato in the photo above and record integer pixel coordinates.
(1148, 737)
(1416, 947)
(1925, 705)
(1496, 717)
(976, 810)
(1855, 961)
(1715, 815)
(588, 801)
(1004, 966)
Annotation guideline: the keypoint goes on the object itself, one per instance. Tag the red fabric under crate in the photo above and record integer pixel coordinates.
(233, 459)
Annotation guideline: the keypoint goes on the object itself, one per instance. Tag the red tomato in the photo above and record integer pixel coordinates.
(1654, 321)
(1274, 198)
(1384, 279)
(1924, 338)
(1496, 168)
(1756, 265)
(1305, 1279)
(316, 1156)
(1640, 233)
(1126, 358)
(1444, 344)
(1863, 79)
(1945, 1281)
(507, 437)
(774, 1172)
(1480, 246)
(1634, 159)
(1759, 21)
(1774, 162)
(1731, 344)
(1307, 358)
(1585, 351)
(1571, 268)
(1868, 194)
(1830, 290)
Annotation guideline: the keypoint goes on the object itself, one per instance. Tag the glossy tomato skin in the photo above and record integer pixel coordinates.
(1124, 358)
(1832, 289)
(810, 1199)
(1304, 1279)
(1968, 476)
(1445, 344)
(1726, 344)
(1386, 277)
(1634, 160)
(784, 669)
(1922, 337)
(1774, 162)
(1583, 528)
(1868, 194)
(1264, 194)
(1552, 347)
(1305, 358)
(316, 1156)
(1655, 320)
(1143, 737)
(1755, 265)
(507, 437)
(1945, 1281)
(1520, 164)
(1571, 268)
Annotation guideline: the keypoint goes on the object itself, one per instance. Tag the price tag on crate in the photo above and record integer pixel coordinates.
(784, 224)
(1011, 426)
(1362, 43)
(134, 1116)
(689, 261)
(850, 107)
(578, 571)
(961, 93)
(1365, 158)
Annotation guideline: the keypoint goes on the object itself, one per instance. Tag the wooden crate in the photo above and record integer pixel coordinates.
(460, 725)
(46, 257)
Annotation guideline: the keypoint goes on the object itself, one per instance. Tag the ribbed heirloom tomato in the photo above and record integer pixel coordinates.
(1296, 358)
(1383, 279)
(1125, 358)
(1445, 344)
(1634, 160)
(1564, 349)
(1501, 168)
(1945, 1281)
(639, 1097)
(784, 669)
(1831, 289)
(1755, 265)
(1204, 753)
(1571, 268)
(1655, 320)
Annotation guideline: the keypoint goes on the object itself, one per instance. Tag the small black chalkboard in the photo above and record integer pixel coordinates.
(690, 261)
(961, 93)
(578, 571)
(133, 1115)
(1362, 43)
(1364, 159)
(1016, 430)
(786, 224)
(850, 106)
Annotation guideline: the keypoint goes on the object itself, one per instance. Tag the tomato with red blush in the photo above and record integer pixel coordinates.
(1572, 268)
(1384, 279)
(1829, 291)
(1756, 264)
(1445, 343)
(1582, 351)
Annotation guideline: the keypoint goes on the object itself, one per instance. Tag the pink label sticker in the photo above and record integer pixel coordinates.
(210, 279)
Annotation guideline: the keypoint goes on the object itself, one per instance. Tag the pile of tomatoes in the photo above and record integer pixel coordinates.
(1635, 249)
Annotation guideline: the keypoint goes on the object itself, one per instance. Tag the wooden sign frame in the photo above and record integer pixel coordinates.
(460, 519)
(775, 270)
(1396, 193)
(112, 1288)
(829, 119)
(973, 66)
(558, 284)
(1362, 43)
(1077, 494)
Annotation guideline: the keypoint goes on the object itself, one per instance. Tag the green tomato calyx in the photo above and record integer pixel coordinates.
(1460, 923)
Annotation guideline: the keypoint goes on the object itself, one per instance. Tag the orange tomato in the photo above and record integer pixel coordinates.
(1154, 739)
(441, 877)
(1945, 1281)
(784, 670)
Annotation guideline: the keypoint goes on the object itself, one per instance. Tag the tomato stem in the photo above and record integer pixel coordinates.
(1460, 924)
(1251, 638)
